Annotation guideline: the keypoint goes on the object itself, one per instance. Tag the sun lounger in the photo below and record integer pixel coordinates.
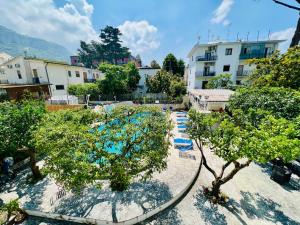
(186, 148)
(182, 142)
(182, 127)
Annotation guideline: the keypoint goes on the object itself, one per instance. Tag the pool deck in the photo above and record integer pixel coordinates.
(104, 204)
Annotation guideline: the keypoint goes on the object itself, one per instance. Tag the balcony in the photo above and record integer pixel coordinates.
(87, 80)
(205, 74)
(254, 55)
(206, 57)
(243, 73)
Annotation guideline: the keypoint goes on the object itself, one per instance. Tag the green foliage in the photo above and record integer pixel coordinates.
(17, 121)
(63, 138)
(154, 64)
(164, 82)
(220, 81)
(280, 102)
(181, 67)
(3, 97)
(279, 70)
(84, 89)
(173, 66)
(109, 50)
(170, 64)
(11, 206)
(76, 155)
(119, 79)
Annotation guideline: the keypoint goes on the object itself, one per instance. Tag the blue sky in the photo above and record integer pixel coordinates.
(151, 28)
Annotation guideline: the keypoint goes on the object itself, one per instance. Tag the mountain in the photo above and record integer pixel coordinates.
(15, 44)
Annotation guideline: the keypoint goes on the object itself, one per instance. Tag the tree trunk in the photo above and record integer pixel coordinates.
(296, 37)
(32, 157)
(34, 168)
(216, 184)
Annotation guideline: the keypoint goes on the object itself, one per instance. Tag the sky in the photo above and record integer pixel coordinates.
(151, 28)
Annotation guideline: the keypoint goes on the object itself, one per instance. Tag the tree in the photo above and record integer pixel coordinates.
(92, 89)
(113, 50)
(296, 36)
(164, 82)
(235, 140)
(108, 50)
(280, 102)
(17, 121)
(129, 142)
(279, 70)
(170, 64)
(221, 81)
(154, 64)
(160, 82)
(119, 79)
(133, 76)
(181, 67)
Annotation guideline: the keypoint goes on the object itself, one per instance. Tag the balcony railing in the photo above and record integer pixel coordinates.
(253, 55)
(89, 80)
(206, 58)
(243, 73)
(36, 80)
(3, 81)
(205, 74)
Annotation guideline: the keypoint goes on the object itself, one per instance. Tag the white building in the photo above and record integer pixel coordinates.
(4, 57)
(209, 60)
(145, 72)
(58, 75)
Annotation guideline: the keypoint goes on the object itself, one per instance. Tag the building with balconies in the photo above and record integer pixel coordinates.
(209, 60)
(42, 77)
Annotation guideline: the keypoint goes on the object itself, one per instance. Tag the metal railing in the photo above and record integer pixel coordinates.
(254, 55)
(206, 58)
(205, 73)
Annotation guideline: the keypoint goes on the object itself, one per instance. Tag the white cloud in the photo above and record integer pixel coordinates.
(286, 34)
(139, 36)
(221, 13)
(65, 25)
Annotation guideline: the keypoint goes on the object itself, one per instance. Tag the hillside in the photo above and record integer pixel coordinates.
(14, 44)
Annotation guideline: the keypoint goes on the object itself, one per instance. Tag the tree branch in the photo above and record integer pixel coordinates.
(237, 168)
(223, 169)
(287, 5)
(204, 160)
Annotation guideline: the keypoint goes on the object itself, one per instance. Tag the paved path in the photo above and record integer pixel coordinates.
(254, 199)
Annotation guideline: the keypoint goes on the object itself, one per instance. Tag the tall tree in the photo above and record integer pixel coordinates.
(113, 50)
(133, 76)
(181, 67)
(170, 64)
(154, 64)
(296, 36)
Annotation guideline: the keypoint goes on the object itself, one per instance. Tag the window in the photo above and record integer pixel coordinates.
(77, 74)
(19, 74)
(226, 68)
(245, 50)
(228, 51)
(192, 58)
(69, 73)
(35, 73)
(97, 75)
(60, 87)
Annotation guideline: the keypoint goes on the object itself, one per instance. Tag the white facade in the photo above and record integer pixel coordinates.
(4, 57)
(145, 72)
(209, 60)
(20, 70)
